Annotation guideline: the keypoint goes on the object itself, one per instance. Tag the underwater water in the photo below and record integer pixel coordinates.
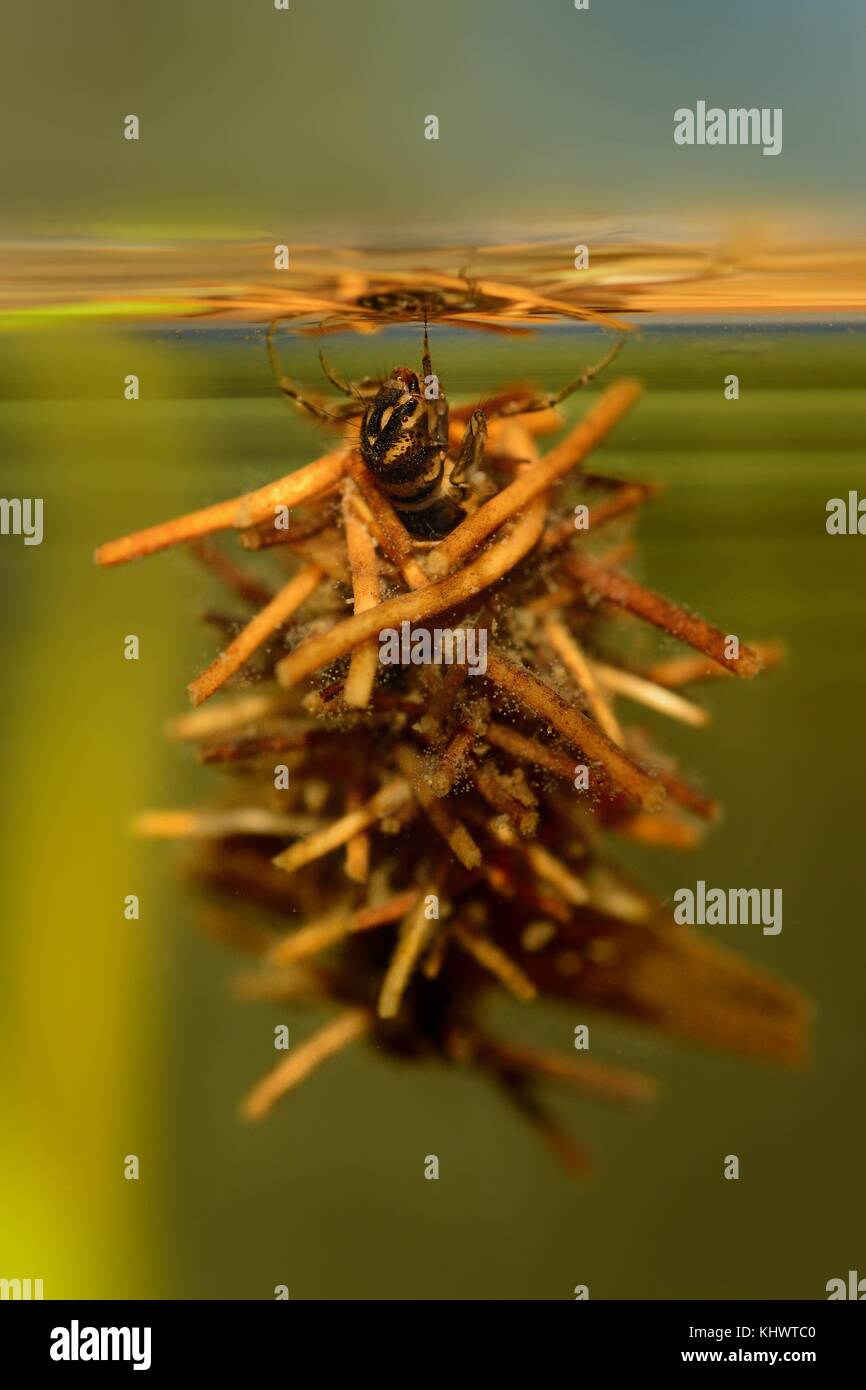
(124, 1035)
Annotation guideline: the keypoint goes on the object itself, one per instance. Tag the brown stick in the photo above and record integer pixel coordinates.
(634, 598)
(386, 801)
(498, 962)
(416, 931)
(238, 512)
(507, 795)
(451, 761)
(262, 626)
(246, 585)
(624, 500)
(246, 749)
(625, 775)
(489, 567)
(385, 524)
(592, 1078)
(610, 408)
(687, 796)
(529, 750)
(336, 1035)
(453, 831)
(566, 1150)
(357, 858)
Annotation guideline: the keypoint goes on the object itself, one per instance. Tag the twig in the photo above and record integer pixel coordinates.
(598, 421)
(384, 803)
(298, 1065)
(453, 831)
(626, 593)
(364, 566)
(262, 626)
(645, 692)
(498, 962)
(571, 655)
(415, 607)
(625, 775)
(238, 512)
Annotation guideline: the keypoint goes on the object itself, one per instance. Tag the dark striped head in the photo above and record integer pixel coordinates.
(392, 421)
(400, 438)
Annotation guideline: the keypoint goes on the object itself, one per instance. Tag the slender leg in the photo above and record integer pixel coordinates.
(437, 406)
(471, 451)
(526, 405)
(287, 386)
(335, 380)
(360, 392)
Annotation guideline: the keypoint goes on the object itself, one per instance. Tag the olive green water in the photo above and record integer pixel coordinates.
(122, 1038)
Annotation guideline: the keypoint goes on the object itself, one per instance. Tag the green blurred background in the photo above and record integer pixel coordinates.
(121, 1037)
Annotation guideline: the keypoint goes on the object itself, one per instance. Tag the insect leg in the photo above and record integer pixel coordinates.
(471, 450)
(523, 406)
(358, 392)
(287, 386)
(335, 380)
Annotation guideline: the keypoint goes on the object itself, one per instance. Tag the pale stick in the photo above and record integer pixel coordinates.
(569, 887)
(683, 670)
(415, 934)
(346, 1028)
(315, 936)
(257, 631)
(645, 692)
(571, 655)
(241, 820)
(496, 961)
(364, 566)
(384, 803)
(237, 512)
(233, 713)
(310, 939)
